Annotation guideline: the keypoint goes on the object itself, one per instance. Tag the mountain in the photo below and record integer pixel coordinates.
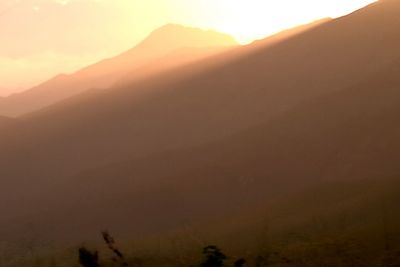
(5, 122)
(214, 137)
(4, 91)
(160, 43)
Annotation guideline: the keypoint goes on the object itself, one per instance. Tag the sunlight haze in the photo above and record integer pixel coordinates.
(66, 35)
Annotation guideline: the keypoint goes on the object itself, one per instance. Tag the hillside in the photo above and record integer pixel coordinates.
(343, 223)
(4, 122)
(160, 43)
(274, 121)
(333, 138)
(207, 101)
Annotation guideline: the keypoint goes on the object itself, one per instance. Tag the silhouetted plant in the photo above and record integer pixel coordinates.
(214, 257)
(110, 242)
(88, 258)
(240, 263)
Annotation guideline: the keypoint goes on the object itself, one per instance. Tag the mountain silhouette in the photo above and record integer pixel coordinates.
(103, 74)
(232, 131)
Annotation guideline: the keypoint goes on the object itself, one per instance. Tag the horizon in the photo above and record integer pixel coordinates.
(52, 52)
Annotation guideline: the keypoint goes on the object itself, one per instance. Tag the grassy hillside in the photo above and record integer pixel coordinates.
(334, 224)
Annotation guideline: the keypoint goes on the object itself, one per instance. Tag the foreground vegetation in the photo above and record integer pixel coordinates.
(340, 224)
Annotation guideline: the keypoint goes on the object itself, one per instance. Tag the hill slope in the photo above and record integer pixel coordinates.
(210, 100)
(4, 122)
(218, 135)
(159, 43)
(333, 138)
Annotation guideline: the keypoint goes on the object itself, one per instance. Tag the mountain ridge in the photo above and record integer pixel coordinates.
(105, 73)
(270, 91)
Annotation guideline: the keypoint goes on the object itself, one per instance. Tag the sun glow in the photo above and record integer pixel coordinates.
(253, 19)
(81, 32)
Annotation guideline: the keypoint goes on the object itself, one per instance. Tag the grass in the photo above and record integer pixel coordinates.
(337, 224)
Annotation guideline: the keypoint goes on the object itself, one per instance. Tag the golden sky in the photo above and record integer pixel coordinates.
(41, 38)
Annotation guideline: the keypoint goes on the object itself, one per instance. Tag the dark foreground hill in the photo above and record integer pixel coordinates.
(338, 223)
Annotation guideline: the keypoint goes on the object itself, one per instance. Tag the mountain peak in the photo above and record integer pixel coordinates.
(177, 36)
(173, 27)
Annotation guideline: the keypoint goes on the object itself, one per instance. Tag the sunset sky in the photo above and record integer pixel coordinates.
(41, 38)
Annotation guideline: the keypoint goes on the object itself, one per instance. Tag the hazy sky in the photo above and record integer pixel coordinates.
(41, 38)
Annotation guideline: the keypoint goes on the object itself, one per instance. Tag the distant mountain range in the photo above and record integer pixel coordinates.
(167, 40)
(230, 132)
